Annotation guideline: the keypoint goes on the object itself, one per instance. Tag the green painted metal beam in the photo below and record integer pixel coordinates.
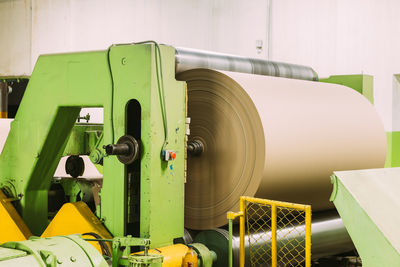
(364, 84)
(393, 149)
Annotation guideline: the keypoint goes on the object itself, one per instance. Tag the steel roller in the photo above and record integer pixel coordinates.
(187, 59)
(329, 237)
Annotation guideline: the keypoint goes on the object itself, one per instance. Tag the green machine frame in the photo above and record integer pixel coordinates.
(362, 83)
(136, 86)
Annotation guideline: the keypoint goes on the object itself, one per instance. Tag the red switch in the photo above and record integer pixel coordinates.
(172, 154)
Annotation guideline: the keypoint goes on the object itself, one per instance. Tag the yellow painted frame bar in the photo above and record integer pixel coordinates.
(277, 203)
(308, 236)
(274, 204)
(274, 253)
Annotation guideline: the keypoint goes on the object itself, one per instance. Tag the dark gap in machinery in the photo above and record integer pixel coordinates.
(133, 128)
(56, 199)
(15, 94)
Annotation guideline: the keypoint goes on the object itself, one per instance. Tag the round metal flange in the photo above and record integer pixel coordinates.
(133, 149)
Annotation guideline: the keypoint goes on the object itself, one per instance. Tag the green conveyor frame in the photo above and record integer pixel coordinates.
(368, 203)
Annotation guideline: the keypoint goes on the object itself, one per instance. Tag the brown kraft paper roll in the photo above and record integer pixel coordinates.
(272, 138)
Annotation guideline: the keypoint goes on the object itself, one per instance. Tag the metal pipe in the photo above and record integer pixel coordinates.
(3, 99)
(187, 59)
(329, 237)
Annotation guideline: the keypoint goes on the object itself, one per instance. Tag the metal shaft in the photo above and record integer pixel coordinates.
(3, 99)
(117, 149)
(187, 59)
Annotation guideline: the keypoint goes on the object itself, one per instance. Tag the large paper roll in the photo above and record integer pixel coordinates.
(272, 138)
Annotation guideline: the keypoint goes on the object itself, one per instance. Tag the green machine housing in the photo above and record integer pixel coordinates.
(136, 86)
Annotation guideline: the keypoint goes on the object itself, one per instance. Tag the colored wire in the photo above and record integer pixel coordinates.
(112, 94)
(104, 248)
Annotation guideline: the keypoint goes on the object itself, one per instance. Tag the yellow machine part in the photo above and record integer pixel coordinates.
(76, 218)
(12, 227)
(173, 255)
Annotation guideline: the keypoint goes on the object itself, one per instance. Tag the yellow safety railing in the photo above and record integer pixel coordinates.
(278, 233)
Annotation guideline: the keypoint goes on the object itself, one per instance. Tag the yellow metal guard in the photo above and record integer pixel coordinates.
(77, 218)
(173, 254)
(278, 233)
(12, 227)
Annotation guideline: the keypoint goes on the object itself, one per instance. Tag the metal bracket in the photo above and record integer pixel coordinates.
(121, 248)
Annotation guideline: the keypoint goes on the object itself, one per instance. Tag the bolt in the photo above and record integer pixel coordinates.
(49, 259)
(96, 156)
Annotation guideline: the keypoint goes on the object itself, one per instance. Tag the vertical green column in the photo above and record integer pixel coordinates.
(393, 137)
(162, 183)
(393, 151)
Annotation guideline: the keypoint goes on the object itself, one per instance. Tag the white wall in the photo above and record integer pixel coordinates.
(342, 37)
(332, 36)
(51, 26)
(396, 103)
(15, 37)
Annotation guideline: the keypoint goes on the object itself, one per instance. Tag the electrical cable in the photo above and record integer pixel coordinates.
(160, 84)
(104, 248)
(112, 94)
